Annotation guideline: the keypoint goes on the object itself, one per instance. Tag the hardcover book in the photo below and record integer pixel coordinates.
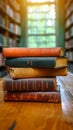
(29, 52)
(52, 97)
(38, 62)
(1, 58)
(30, 84)
(36, 72)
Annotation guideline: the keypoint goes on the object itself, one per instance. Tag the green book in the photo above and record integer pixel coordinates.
(36, 62)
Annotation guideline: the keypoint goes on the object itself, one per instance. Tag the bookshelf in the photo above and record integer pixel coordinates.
(69, 32)
(1, 57)
(2, 66)
(10, 30)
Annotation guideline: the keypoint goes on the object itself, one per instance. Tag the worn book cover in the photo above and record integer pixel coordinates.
(36, 72)
(52, 97)
(29, 52)
(30, 84)
(37, 62)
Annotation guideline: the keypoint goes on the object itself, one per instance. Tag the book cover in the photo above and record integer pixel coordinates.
(36, 72)
(36, 62)
(29, 52)
(52, 97)
(30, 84)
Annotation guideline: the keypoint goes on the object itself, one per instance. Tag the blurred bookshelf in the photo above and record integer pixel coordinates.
(1, 57)
(3, 71)
(10, 30)
(69, 32)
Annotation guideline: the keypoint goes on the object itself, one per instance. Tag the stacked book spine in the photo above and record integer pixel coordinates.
(32, 74)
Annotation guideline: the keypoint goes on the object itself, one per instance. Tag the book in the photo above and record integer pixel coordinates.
(38, 62)
(2, 71)
(26, 52)
(11, 42)
(1, 58)
(1, 38)
(52, 97)
(36, 72)
(30, 84)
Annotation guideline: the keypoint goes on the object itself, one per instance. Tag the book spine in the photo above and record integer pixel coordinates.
(52, 97)
(45, 62)
(35, 72)
(20, 52)
(29, 85)
(1, 58)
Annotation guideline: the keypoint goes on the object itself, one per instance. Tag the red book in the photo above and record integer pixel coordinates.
(52, 97)
(29, 52)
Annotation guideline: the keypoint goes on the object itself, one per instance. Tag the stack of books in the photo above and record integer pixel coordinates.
(32, 74)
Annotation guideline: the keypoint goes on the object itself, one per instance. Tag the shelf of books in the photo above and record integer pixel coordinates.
(2, 66)
(69, 32)
(1, 57)
(10, 30)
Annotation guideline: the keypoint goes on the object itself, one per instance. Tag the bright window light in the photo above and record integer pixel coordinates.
(41, 1)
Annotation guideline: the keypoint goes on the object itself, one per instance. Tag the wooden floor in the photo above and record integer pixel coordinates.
(39, 116)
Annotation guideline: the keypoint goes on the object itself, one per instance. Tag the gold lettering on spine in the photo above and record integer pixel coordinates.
(30, 63)
(20, 86)
(23, 85)
(35, 85)
(54, 84)
(16, 85)
(47, 85)
(27, 85)
(42, 87)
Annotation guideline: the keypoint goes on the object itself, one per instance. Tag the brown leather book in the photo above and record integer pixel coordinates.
(52, 97)
(30, 84)
(29, 52)
(35, 72)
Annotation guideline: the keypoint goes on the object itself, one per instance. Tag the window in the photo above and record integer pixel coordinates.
(41, 17)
